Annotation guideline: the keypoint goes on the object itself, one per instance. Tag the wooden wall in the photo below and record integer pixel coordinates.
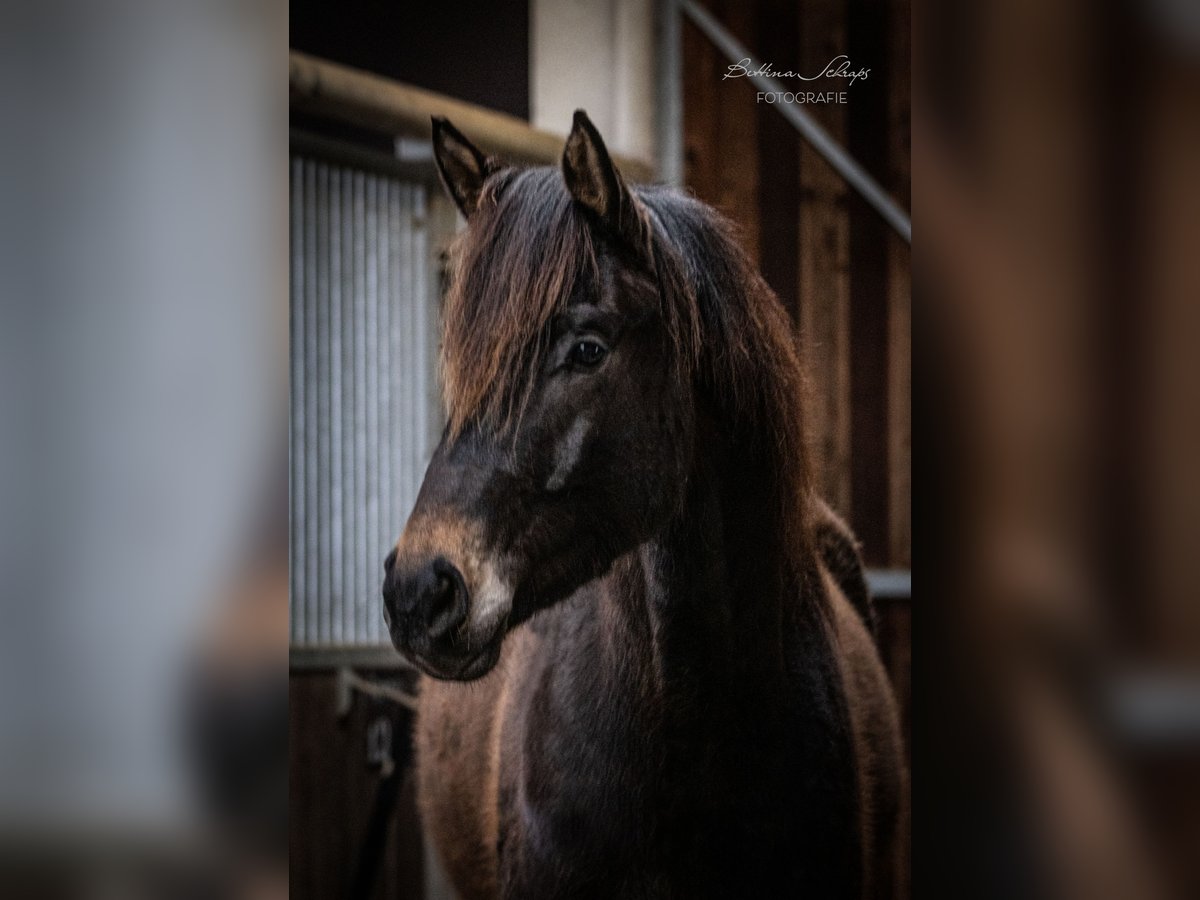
(833, 262)
(844, 275)
(334, 789)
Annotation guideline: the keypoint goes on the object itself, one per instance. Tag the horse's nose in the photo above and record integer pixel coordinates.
(431, 598)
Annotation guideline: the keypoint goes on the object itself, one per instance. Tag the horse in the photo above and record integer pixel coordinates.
(642, 674)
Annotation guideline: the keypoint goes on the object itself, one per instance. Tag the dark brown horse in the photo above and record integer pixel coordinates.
(646, 677)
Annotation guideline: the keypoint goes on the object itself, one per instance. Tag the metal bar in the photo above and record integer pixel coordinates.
(299, 510)
(395, 384)
(670, 92)
(809, 129)
(324, 476)
(372, 101)
(412, 335)
(890, 584)
(425, 336)
(1153, 708)
(359, 656)
(405, 387)
(349, 291)
(311, 302)
(337, 278)
(360, 402)
(349, 680)
(342, 154)
(370, 550)
(383, 394)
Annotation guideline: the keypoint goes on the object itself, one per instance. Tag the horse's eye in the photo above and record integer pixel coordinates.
(586, 354)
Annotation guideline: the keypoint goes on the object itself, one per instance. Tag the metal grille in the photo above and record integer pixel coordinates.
(365, 414)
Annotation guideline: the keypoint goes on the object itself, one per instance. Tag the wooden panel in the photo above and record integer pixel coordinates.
(900, 290)
(824, 266)
(895, 646)
(720, 125)
(851, 274)
(332, 790)
(777, 32)
(867, 132)
(847, 277)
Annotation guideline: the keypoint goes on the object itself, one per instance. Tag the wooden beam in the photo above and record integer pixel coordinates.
(867, 133)
(361, 98)
(899, 291)
(824, 266)
(720, 124)
(775, 35)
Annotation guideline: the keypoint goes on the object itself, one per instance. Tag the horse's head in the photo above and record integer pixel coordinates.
(570, 414)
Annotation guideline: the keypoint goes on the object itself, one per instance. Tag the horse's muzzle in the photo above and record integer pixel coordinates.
(426, 608)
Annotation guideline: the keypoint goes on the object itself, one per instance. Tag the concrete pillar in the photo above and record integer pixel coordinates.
(596, 55)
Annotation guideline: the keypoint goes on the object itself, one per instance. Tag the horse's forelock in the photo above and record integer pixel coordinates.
(513, 269)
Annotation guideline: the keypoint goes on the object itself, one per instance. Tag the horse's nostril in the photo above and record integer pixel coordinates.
(390, 562)
(446, 602)
(429, 601)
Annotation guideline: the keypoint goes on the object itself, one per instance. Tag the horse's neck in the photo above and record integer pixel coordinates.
(715, 591)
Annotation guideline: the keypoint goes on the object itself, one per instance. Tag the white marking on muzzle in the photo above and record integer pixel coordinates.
(567, 453)
(492, 601)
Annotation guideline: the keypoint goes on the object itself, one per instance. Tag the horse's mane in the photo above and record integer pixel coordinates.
(529, 247)
(747, 359)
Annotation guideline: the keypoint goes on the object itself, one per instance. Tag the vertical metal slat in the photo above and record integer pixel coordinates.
(298, 452)
(334, 562)
(310, 396)
(324, 479)
(384, 367)
(349, 286)
(360, 398)
(370, 546)
(364, 404)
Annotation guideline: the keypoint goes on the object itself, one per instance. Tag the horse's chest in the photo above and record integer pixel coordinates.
(609, 788)
(624, 803)
(616, 831)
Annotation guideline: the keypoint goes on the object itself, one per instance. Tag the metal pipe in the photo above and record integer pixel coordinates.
(370, 543)
(809, 129)
(316, 657)
(324, 586)
(337, 407)
(340, 154)
(670, 93)
(372, 101)
(383, 396)
(890, 584)
(350, 288)
(311, 375)
(360, 403)
(299, 510)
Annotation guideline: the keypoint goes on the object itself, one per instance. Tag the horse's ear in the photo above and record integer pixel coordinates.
(463, 166)
(595, 182)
